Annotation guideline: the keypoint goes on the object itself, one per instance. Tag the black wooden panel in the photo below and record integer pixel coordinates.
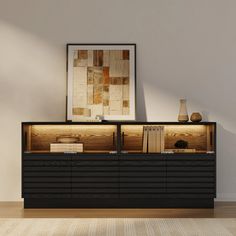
(192, 162)
(190, 185)
(44, 169)
(142, 174)
(190, 168)
(142, 157)
(93, 174)
(47, 174)
(142, 163)
(95, 163)
(95, 168)
(94, 195)
(190, 174)
(190, 195)
(95, 185)
(170, 195)
(47, 163)
(143, 185)
(47, 190)
(95, 190)
(46, 157)
(142, 168)
(94, 157)
(150, 179)
(190, 157)
(47, 195)
(190, 190)
(47, 185)
(95, 179)
(47, 180)
(190, 180)
(142, 195)
(142, 190)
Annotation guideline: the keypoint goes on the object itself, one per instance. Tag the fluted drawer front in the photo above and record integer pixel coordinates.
(95, 178)
(190, 175)
(140, 177)
(46, 176)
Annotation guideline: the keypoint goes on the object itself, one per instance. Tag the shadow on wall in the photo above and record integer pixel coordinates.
(141, 112)
(226, 164)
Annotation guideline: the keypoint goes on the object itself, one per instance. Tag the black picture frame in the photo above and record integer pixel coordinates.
(132, 79)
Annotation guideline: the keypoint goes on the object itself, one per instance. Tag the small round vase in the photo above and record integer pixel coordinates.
(196, 117)
(183, 113)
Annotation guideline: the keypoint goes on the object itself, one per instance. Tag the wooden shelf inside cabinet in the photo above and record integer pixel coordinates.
(85, 152)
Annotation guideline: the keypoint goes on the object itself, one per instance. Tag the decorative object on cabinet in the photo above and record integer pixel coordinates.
(67, 139)
(183, 113)
(181, 144)
(101, 81)
(196, 117)
(66, 147)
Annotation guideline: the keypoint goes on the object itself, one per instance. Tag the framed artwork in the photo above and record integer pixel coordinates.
(101, 81)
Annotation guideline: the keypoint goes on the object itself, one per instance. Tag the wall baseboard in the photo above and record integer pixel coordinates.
(225, 197)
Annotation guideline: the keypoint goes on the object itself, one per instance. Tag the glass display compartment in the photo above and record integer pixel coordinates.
(168, 138)
(69, 138)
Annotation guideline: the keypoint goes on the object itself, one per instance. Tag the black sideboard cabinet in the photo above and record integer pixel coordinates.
(113, 171)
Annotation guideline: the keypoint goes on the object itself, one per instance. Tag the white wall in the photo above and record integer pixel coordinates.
(185, 48)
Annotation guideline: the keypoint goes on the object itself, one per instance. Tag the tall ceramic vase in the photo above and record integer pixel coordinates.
(183, 113)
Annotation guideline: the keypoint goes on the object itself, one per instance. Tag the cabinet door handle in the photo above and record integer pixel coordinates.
(123, 139)
(113, 139)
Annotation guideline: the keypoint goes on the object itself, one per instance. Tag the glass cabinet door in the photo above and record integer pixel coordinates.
(174, 138)
(70, 138)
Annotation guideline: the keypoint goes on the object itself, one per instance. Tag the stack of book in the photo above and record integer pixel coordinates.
(153, 139)
(66, 147)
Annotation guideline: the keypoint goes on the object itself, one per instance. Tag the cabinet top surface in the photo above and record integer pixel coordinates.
(117, 123)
